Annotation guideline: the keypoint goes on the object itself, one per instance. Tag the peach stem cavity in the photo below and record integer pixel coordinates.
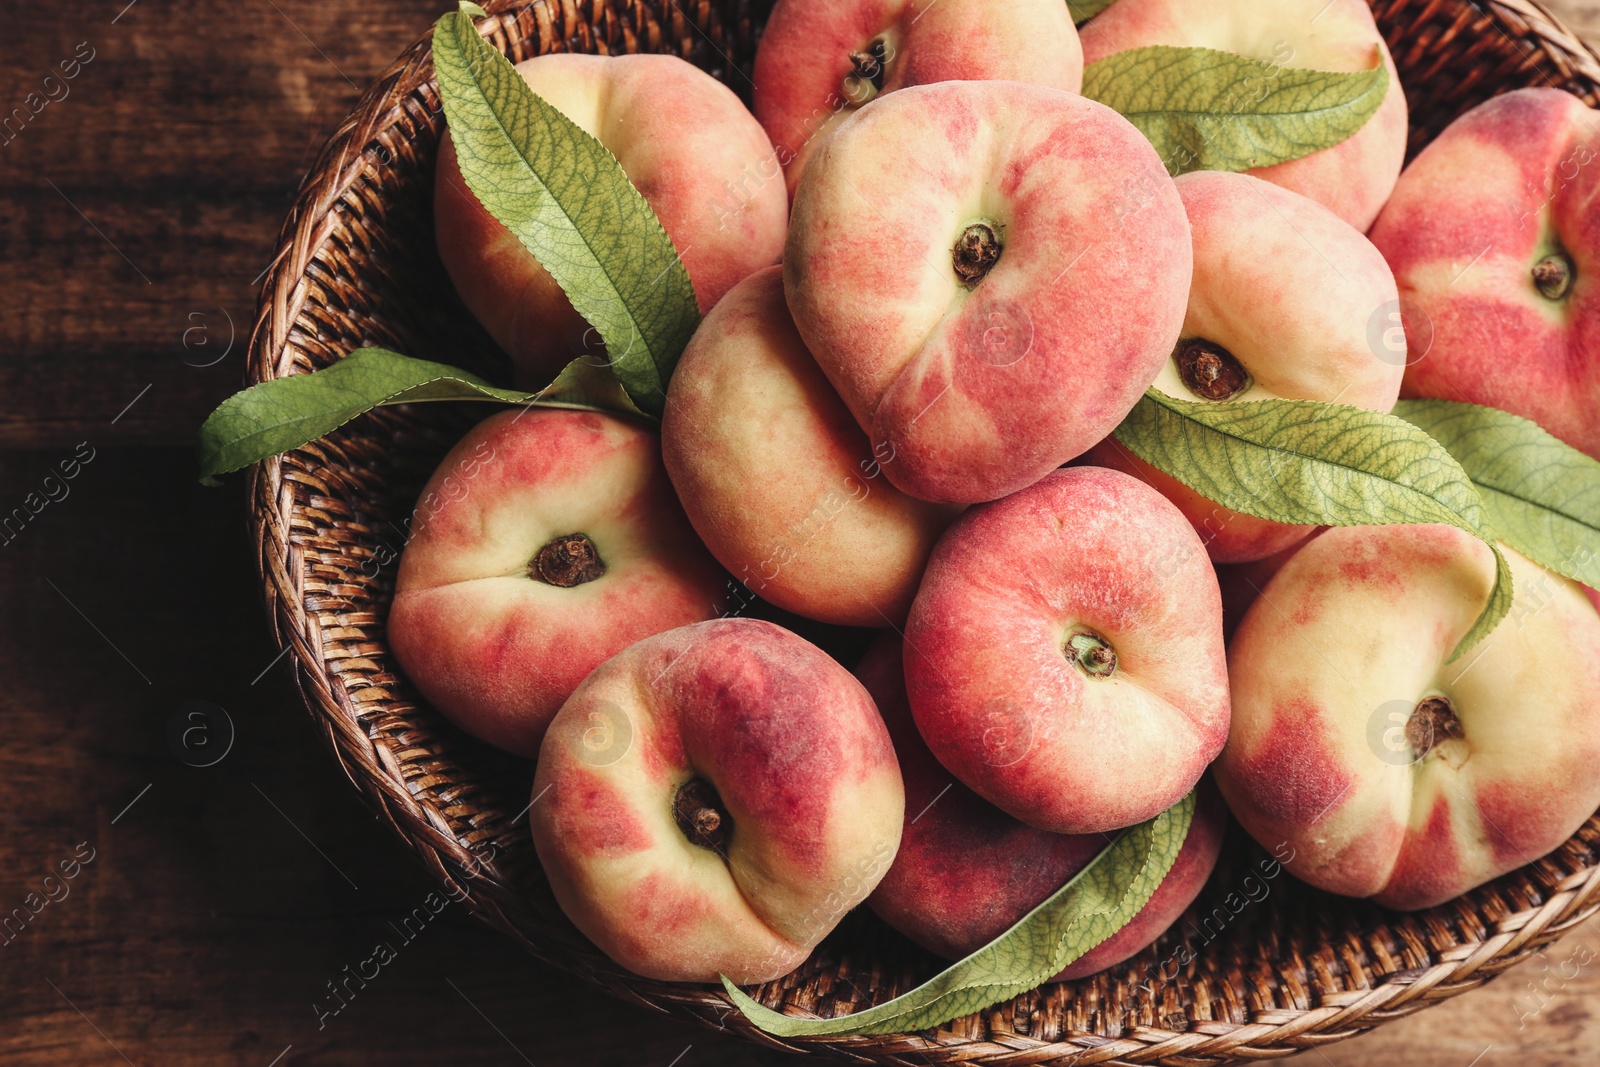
(698, 811)
(1553, 276)
(865, 80)
(569, 560)
(1433, 722)
(975, 253)
(1209, 370)
(1092, 653)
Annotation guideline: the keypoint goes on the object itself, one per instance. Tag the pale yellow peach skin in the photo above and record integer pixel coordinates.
(1069, 662)
(990, 274)
(500, 609)
(1354, 177)
(713, 800)
(820, 60)
(1494, 237)
(966, 871)
(778, 479)
(1284, 297)
(1394, 774)
(686, 143)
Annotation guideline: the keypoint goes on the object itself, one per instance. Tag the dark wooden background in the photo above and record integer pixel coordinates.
(136, 213)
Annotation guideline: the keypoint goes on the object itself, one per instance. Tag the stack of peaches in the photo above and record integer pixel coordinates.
(934, 280)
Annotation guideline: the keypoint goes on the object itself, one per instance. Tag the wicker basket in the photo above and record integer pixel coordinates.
(356, 266)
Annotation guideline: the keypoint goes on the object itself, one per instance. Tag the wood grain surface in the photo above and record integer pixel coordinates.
(210, 910)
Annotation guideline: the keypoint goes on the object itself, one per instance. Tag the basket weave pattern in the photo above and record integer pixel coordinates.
(356, 266)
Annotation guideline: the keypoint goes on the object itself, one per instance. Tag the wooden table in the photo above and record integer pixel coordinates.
(211, 906)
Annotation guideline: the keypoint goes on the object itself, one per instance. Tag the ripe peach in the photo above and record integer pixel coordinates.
(1071, 668)
(777, 477)
(1492, 235)
(990, 274)
(1354, 177)
(546, 541)
(966, 871)
(819, 60)
(1282, 304)
(1394, 774)
(713, 800)
(686, 143)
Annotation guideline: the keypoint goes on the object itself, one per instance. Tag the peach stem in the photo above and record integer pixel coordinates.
(567, 561)
(1209, 370)
(698, 811)
(867, 66)
(975, 253)
(1433, 721)
(1553, 275)
(1091, 652)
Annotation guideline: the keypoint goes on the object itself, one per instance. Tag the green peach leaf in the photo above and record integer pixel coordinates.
(569, 202)
(1307, 463)
(1541, 495)
(588, 386)
(467, 7)
(285, 413)
(1100, 900)
(1084, 10)
(1205, 109)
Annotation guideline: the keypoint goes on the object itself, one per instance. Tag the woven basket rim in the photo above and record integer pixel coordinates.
(374, 765)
